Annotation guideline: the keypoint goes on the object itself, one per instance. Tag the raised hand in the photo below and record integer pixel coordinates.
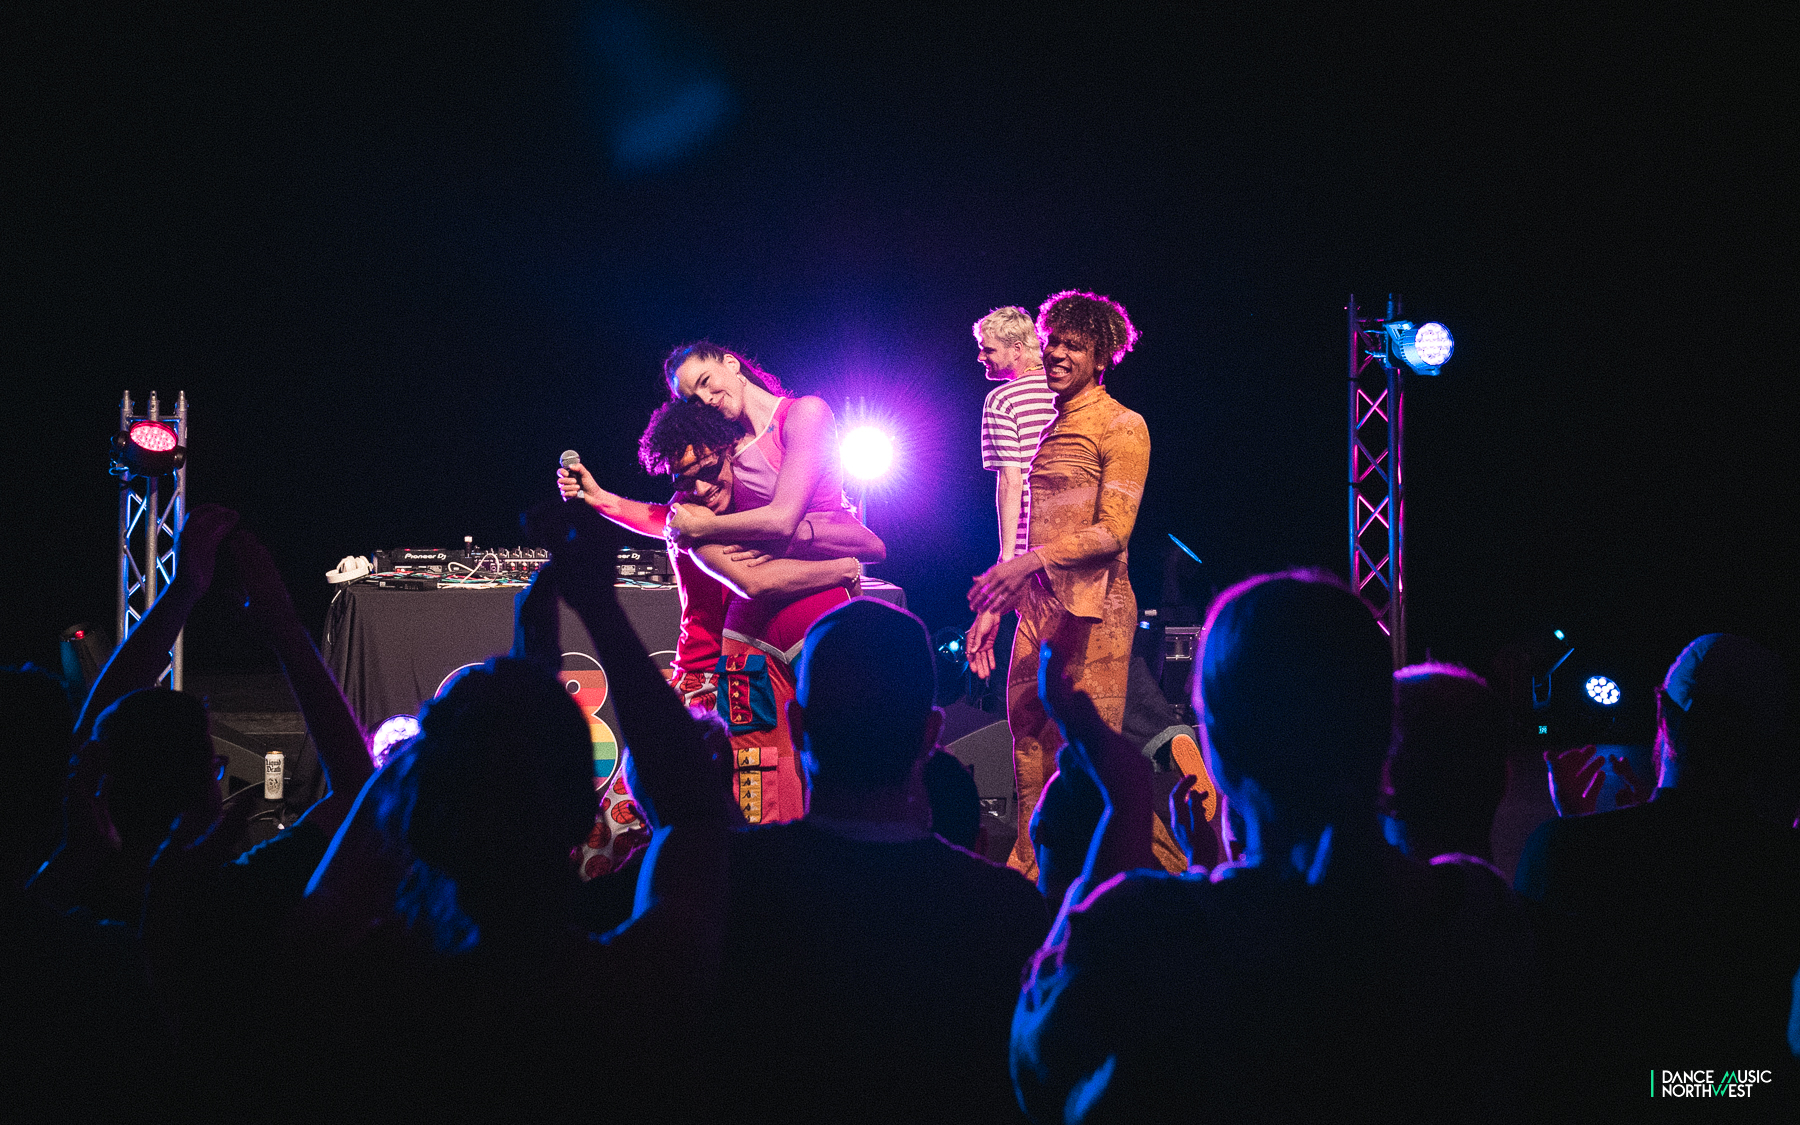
(1123, 840)
(1188, 821)
(1576, 775)
(202, 532)
(537, 628)
(266, 597)
(139, 660)
(584, 548)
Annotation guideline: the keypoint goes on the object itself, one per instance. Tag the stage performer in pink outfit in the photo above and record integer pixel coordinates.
(729, 467)
(786, 478)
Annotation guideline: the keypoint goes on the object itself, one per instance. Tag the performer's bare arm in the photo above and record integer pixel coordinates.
(785, 578)
(1009, 488)
(835, 535)
(632, 515)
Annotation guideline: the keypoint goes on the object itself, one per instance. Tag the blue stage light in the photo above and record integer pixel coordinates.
(1425, 349)
(1602, 690)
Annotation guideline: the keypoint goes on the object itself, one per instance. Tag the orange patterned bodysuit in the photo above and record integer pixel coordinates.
(1086, 482)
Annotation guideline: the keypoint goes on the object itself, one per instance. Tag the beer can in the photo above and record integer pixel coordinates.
(272, 775)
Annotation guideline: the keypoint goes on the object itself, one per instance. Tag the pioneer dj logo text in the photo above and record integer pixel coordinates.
(1703, 1084)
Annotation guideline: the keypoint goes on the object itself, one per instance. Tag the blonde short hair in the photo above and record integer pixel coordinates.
(1010, 324)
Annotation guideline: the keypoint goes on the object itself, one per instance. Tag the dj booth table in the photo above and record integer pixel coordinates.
(392, 650)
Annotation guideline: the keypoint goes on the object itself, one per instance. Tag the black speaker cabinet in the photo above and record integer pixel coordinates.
(988, 754)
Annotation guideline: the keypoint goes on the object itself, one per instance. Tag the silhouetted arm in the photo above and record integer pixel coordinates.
(337, 736)
(1122, 840)
(673, 768)
(140, 658)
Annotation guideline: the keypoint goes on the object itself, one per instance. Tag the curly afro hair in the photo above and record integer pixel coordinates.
(1101, 320)
(679, 424)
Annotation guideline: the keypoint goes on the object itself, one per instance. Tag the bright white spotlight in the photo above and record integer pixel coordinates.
(866, 452)
(1433, 344)
(1602, 690)
(1425, 349)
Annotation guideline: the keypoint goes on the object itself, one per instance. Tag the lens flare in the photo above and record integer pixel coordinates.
(866, 452)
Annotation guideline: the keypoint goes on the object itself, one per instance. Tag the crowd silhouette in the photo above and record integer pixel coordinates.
(420, 943)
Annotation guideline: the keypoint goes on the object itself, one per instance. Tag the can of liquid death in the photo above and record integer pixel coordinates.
(272, 775)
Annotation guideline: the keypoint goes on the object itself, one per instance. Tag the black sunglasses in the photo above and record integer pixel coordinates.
(707, 474)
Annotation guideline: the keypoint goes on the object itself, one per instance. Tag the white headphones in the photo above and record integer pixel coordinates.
(349, 569)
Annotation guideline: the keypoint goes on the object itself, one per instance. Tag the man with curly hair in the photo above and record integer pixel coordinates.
(1071, 587)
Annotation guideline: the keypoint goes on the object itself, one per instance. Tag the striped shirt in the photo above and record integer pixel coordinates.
(1013, 418)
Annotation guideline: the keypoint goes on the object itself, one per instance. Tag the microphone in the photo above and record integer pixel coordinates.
(569, 460)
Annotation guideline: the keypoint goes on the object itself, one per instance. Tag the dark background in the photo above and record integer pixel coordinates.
(401, 257)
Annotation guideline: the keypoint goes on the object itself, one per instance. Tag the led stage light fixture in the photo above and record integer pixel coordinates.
(148, 449)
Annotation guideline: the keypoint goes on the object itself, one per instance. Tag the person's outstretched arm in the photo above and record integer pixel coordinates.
(1122, 840)
(141, 657)
(338, 737)
(673, 767)
(632, 515)
(674, 942)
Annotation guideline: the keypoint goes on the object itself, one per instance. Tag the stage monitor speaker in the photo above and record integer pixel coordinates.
(988, 754)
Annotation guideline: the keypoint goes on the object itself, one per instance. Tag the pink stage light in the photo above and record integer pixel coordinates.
(153, 436)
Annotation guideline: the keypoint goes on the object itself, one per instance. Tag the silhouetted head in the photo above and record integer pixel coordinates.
(1446, 771)
(865, 679)
(1722, 722)
(501, 785)
(159, 764)
(955, 802)
(1296, 693)
(35, 721)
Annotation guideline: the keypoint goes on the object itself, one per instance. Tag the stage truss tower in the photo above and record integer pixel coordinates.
(1377, 483)
(151, 512)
